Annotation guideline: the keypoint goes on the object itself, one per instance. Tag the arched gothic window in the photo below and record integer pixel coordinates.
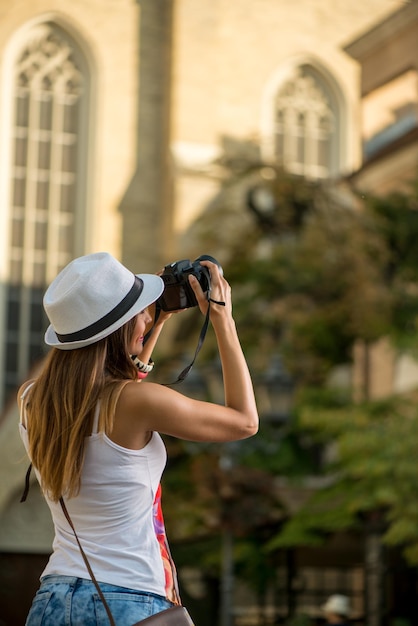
(49, 92)
(306, 125)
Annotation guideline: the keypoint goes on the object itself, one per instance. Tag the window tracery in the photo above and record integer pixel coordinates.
(305, 129)
(49, 87)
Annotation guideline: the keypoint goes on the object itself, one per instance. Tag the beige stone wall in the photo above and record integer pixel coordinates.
(147, 202)
(226, 56)
(373, 374)
(385, 105)
(388, 56)
(391, 60)
(226, 52)
(229, 54)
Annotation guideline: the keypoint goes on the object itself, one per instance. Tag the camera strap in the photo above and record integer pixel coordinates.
(184, 373)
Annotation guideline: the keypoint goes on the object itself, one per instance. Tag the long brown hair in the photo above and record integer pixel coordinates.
(63, 401)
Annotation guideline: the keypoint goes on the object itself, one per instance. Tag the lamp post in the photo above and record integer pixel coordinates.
(275, 397)
(274, 391)
(262, 203)
(227, 557)
(374, 568)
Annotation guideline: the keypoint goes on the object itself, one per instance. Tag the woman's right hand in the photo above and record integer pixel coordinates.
(220, 291)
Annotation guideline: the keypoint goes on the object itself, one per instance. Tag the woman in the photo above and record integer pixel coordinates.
(91, 432)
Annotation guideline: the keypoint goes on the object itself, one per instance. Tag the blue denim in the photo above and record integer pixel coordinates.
(68, 601)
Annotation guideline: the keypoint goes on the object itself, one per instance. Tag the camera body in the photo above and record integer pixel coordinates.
(178, 293)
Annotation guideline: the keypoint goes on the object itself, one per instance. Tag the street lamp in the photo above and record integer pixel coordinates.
(275, 390)
(205, 383)
(280, 209)
(262, 203)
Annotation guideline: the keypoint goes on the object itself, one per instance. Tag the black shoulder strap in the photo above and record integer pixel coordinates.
(83, 554)
(27, 484)
(86, 561)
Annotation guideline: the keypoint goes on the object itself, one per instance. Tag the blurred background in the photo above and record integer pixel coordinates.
(280, 137)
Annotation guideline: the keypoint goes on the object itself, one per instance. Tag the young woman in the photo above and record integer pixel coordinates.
(92, 434)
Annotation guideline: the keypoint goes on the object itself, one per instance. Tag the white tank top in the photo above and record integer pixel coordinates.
(116, 517)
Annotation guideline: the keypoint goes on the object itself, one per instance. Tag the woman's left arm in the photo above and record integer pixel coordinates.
(156, 329)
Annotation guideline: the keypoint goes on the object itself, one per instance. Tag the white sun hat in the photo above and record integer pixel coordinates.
(337, 604)
(93, 296)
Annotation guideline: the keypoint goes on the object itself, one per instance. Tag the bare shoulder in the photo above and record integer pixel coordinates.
(150, 401)
(134, 414)
(141, 394)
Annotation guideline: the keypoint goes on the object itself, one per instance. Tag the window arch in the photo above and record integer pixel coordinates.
(46, 198)
(305, 128)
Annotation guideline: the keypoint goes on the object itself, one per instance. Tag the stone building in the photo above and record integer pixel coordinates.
(113, 113)
(388, 57)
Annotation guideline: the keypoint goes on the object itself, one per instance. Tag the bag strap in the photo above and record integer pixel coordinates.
(86, 561)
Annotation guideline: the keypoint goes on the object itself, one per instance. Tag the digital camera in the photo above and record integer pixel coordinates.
(178, 293)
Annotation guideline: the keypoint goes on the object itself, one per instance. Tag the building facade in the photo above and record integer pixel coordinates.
(83, 154)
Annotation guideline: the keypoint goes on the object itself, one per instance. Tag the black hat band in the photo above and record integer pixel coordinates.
(110, 318)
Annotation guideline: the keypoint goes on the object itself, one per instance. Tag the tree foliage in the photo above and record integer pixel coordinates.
(373, 477)
(307, 276)
(314, 271)
(394, 219)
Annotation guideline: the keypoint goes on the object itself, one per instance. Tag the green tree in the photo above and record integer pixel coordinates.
(307, 276)
(314, 269)
(374, 471)
(373, 475)
(394, 219)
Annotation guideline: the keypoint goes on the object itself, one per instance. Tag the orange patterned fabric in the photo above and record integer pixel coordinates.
(171, 585)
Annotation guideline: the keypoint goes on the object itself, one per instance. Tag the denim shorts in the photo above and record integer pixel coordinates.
(68, 601)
